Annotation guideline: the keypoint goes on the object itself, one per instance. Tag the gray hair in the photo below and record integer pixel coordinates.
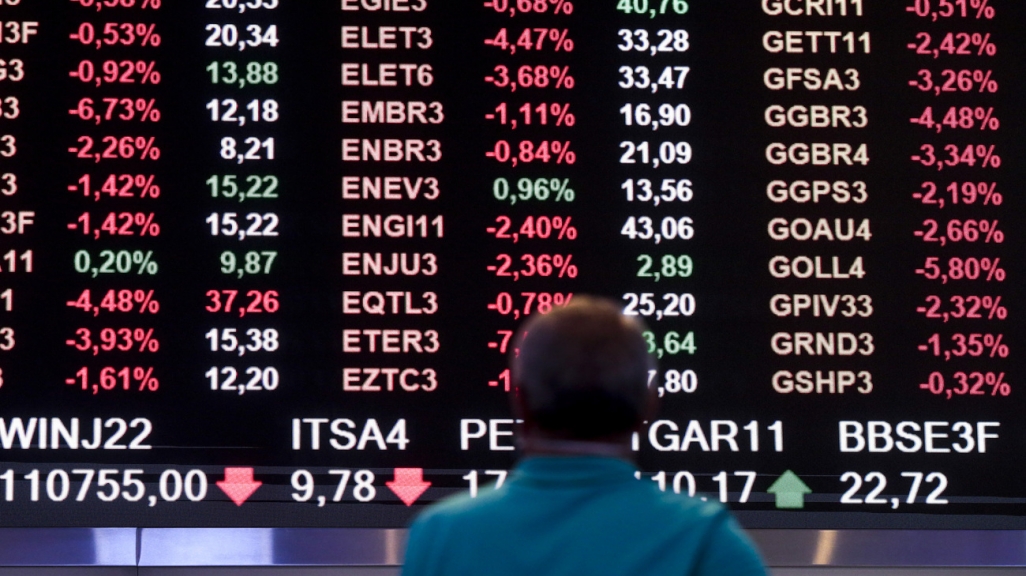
(584, 370)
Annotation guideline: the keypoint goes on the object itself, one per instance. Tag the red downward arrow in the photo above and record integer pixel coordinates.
(239, 484)
(409, 484)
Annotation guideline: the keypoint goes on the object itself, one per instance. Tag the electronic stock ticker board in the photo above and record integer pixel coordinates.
(261, 261)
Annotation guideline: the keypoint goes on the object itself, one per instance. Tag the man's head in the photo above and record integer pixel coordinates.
(582, 373)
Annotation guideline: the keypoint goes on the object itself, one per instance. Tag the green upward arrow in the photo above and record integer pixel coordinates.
(790, 491)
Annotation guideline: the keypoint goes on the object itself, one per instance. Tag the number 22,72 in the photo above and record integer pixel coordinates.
(877, 483)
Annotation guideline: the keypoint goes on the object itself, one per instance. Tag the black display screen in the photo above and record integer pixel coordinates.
(262, 261)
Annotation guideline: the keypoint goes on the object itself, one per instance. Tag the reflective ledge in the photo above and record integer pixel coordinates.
(68, 546)
(781, 548)
(251, 547)
(892, 548)
(271, 547)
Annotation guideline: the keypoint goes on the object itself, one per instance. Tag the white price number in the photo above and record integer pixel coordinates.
(472, 479)
(256, 149)
(242, 5)
(640, 78)
(877, 483)
(258, 340)
(363, 489)
(644, 304)
(667, 41)
(670, 228)
(670, 115)
(670, 153)
(228, 36)
(641, 190)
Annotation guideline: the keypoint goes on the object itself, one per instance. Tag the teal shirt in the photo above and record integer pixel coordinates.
(584, 516)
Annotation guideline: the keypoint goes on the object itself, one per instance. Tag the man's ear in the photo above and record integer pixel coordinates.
(651, 408)
(518, 402)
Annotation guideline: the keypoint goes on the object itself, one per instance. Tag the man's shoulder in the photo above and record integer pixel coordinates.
(639, 500)
(463, 506)
(675, 510)
(632, 520)
(722, 546)
(698, 509)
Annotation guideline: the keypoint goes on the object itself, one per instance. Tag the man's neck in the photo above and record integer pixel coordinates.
(533, 445)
